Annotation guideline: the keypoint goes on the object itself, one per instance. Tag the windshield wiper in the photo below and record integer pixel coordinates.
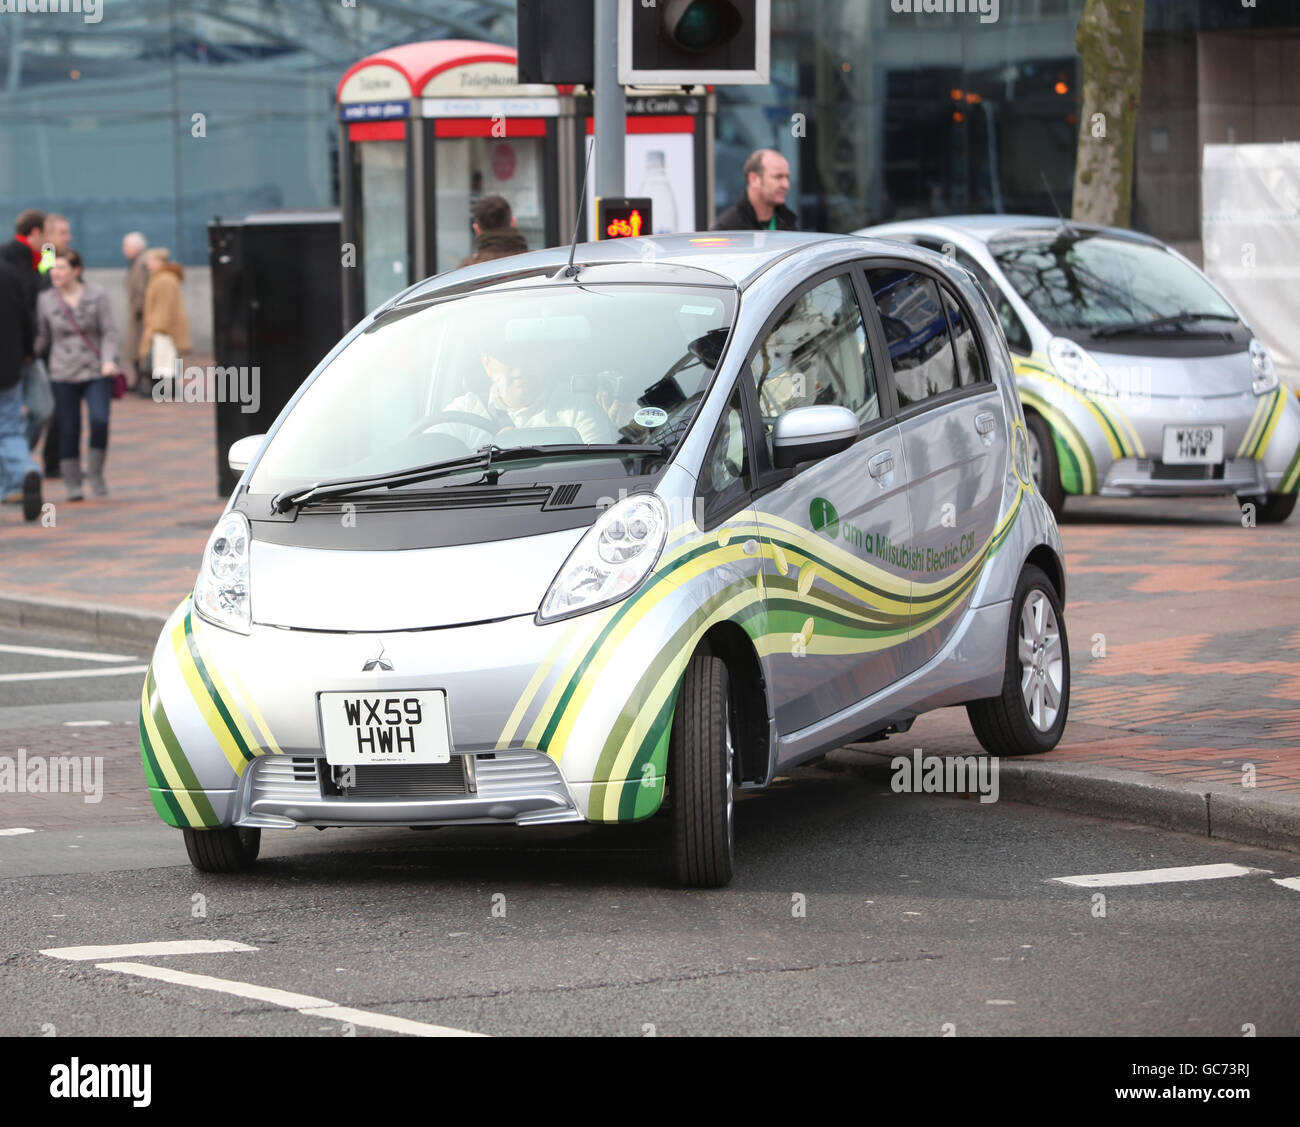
(486, 458)
(1157, 323)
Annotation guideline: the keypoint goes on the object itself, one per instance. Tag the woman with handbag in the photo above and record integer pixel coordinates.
(165, 334)
(74, 322)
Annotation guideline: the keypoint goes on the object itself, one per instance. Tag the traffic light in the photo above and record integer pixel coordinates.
(692, 42)
(555, 38)
(623, 217)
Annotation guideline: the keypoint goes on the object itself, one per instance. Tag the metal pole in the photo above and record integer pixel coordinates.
(611, 109)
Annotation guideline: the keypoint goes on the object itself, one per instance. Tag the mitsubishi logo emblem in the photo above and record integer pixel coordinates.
(378, 662)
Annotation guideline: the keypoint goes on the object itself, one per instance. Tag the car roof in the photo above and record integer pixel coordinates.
(990, 228)
(733, 258)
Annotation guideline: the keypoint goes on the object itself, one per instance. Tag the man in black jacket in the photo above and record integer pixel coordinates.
(762, 206)
(20, 480)
(23, 253)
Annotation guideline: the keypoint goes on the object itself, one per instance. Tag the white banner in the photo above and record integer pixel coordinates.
(1250, 230)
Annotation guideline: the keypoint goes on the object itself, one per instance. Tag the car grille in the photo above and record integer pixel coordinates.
(409, 780)
(286, 778)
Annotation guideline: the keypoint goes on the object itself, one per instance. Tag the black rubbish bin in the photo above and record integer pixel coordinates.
(277, 309)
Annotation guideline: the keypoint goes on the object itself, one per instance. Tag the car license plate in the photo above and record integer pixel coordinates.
(1193, 445)
(385, 727)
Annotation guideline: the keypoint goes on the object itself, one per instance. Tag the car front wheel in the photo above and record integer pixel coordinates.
(1028, 716)
(1273, 508)
(229, 849)
(701, 770)
(1044, 467)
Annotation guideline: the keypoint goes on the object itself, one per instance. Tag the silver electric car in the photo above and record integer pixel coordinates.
(1138, 377)
(543, 542)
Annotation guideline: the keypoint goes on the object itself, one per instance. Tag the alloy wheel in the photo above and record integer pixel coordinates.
(1042, 668)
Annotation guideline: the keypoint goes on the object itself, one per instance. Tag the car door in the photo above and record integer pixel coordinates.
(954, 436)
(834, 532)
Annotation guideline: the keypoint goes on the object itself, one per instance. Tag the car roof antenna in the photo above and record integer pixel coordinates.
(1057, 208)
(572, 271)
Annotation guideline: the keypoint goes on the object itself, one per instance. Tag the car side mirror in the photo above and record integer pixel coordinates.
(242, 450)
(804, 434)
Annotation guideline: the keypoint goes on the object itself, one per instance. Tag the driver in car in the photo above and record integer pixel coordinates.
(518, 397)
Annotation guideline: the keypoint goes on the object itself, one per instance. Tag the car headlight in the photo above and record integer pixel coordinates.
(1078, 367)
(1263, 371)
(611, 559)
(221, 594)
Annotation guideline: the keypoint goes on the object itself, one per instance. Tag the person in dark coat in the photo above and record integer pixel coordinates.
(20, 480)
(23, 253)
(761, 206)
(495, 233)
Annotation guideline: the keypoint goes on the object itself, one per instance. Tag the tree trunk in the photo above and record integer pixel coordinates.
(1109, 39)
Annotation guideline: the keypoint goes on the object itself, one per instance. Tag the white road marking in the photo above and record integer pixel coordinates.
(80, 655)
(998, 1002)
(15, 832)
(86, 723)
(1160, 876)
(60, 674)
(147, 950)
(305, 1004)
(1292, 883)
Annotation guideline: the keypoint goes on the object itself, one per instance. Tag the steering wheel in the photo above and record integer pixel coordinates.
(467, 417)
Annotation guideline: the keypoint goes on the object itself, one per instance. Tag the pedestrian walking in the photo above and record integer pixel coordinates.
(137, 281)
(761, 206)
(57, 239)
(23, 253)
(165, 328)
(74, 322)
(495, 232)
(20, 479)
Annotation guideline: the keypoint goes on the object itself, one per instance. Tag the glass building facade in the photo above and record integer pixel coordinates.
(161, 114)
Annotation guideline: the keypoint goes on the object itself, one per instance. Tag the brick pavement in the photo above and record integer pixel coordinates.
(140, 546)
(1184, 626)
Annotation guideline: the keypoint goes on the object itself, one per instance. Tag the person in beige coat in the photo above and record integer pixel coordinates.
(137, 281)
(164, 307)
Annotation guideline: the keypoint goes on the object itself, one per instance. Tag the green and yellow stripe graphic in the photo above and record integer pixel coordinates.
(819, 591)
(176, 793)
(1268, 413)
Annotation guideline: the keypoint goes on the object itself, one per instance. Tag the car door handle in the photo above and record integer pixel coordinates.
(985, 422)
(881, 464)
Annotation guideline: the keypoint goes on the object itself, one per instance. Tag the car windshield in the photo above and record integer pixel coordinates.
(1092, 281)
(559, 365)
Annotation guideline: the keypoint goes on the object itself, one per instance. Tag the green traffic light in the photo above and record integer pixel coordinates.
(706, 24)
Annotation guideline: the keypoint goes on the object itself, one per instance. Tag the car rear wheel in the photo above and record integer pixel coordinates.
(1028, 716)
(229, 849)
(1273, 508)
(1044, 467)
(701, 771)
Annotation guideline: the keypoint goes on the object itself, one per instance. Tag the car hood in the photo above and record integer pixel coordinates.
(1161, 377)
(325, 589)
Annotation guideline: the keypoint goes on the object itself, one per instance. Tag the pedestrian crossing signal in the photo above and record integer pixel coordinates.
(620, 217)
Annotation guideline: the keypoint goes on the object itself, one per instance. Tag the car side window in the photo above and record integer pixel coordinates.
(817, 353)
(965, 342)
(1012, 326)
(916, 331)
(724, 479)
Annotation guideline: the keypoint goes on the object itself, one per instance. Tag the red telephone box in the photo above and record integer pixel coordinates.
(425, 130)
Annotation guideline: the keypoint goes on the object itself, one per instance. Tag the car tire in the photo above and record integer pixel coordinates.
(701, 761)
(229, 849)
(1006, 724)
(1048, 478)
(1273, 508)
